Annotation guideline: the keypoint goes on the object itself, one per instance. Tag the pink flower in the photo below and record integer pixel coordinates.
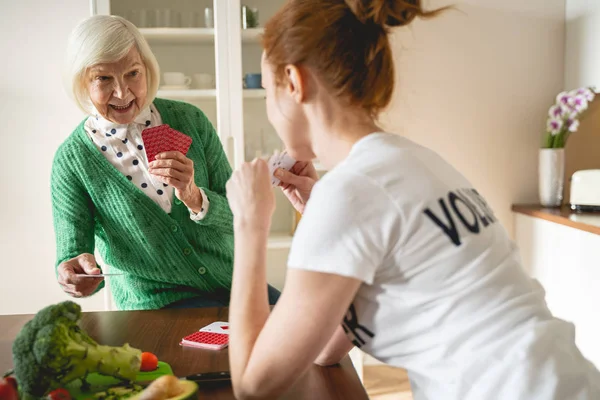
(563, 98)
(587, 93)
(557, 111)
(578, 103)
(573, 126)
(554, 125)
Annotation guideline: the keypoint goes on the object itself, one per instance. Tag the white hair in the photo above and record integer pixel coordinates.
(105, 39)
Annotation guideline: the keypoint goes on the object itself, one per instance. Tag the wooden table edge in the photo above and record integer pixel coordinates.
(557, 215)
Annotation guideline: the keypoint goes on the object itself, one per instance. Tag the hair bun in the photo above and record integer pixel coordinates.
(388, 12)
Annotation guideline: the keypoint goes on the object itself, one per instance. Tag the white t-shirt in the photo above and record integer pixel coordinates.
(444, 294)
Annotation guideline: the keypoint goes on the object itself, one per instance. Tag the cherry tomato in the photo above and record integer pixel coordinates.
(12, 381)
(149, 362)
(59, 394)
(7, 390)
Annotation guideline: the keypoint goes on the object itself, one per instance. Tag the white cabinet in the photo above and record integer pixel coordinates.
(566, 261)
(227, 51)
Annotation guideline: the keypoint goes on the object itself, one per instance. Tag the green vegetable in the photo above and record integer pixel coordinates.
(52, 350)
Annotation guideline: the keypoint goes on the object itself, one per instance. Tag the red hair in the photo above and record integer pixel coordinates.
(345, 42)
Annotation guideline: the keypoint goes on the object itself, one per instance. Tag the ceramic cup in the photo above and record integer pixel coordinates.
(176, 79)
(253, 81)
(203, 81)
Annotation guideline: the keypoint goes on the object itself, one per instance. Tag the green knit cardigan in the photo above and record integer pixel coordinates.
(164, 257)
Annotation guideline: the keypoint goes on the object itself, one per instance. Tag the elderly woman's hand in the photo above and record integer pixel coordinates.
(77, 286)
(175, 169)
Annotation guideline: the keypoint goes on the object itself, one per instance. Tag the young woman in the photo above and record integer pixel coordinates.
(394, 244)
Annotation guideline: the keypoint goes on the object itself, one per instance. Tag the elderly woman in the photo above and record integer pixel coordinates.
(164, 226)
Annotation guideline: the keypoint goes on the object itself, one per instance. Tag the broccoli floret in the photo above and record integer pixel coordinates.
(52, 350)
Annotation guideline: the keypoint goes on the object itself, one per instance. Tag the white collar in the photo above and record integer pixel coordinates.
(109, 129)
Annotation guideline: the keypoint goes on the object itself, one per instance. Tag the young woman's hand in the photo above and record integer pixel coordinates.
(251, 196)
(297, 183)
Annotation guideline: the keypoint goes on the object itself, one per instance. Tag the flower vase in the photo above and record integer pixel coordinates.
(551, 174)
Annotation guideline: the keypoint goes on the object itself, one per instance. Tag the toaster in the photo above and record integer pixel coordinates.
(585, 190)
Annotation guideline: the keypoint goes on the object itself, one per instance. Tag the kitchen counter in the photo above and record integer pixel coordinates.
(588, 222)
(559, 248)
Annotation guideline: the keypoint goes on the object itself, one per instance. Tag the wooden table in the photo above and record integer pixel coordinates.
(160, 332)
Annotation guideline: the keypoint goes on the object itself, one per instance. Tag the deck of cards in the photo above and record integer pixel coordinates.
(279, 160)
(163, 138)
(213, 337)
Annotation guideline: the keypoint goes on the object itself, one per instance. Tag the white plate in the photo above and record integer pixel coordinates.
(174, 87)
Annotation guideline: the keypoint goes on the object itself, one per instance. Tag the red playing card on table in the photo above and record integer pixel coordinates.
(214, 337)
(162, 138)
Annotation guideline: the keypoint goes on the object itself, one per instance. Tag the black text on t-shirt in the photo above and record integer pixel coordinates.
(478, 216)
(353, 327)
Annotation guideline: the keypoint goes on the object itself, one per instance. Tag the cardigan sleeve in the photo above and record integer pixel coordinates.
(72, 212)
(219, 171)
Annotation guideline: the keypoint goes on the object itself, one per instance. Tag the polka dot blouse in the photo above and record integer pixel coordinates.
(123, 147)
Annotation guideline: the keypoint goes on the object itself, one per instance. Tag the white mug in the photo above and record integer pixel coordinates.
(204, 81)
(176, 79)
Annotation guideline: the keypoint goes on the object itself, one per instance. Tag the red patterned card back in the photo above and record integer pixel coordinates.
(206, 340)
(178, 141)
(155, 140)
(162, 138)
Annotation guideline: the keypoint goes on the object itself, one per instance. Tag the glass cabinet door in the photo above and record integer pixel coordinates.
(253, 134)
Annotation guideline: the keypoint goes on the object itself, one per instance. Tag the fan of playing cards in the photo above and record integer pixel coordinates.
(279, 160)
(163, 138)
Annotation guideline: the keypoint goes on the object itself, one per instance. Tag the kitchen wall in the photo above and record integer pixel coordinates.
(475, 85)
(582, 43)
(36, 117)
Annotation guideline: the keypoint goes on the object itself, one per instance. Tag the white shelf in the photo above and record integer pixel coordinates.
(279, 241)
(200, 94)
(252, 35)
(179, 35)
(194, 35)
(189, 94)
(255, 93)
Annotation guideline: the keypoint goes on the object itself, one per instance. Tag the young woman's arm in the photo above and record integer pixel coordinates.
(337, 348)
(268, 353)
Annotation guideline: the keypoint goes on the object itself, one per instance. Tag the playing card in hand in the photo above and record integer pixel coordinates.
(279, 160)
(178, 141)
(162, 138)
